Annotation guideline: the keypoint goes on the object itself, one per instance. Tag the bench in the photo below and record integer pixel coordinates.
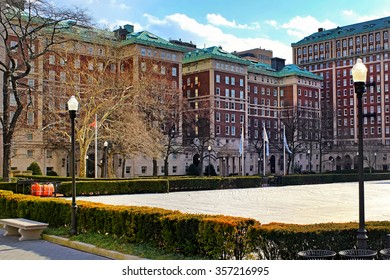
(28, 229)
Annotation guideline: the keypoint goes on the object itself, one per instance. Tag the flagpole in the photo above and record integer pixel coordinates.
(96, 148)
(242, 155)
(284, 150)
(264, 150)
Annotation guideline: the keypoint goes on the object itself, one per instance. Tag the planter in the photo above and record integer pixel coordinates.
(358, 254)
(385, 254)
(317, 254)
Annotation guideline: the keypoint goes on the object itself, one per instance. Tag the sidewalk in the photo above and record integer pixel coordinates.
(53, 248)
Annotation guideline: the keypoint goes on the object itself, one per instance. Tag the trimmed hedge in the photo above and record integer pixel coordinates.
(284, 241)
(329, 178)
(145, 185)
(98, 187)
(209, 236)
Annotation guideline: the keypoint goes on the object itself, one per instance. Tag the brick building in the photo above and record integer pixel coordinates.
(331, 54)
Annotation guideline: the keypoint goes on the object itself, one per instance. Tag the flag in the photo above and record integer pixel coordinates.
(285, 141)
(94, 124)
(241, 147)
(266, 142)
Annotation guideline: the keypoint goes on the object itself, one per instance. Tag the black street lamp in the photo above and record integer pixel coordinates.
(105, 167)
(359, 75)
(209, 149)
(309, 158)
(73, 106)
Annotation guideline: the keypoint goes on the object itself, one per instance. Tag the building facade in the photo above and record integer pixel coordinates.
(332, 54)
(229, 103)
(239, 100)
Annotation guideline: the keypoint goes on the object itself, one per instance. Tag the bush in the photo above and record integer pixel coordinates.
(105, 187)
(210, 171)
(193, 170)
(52, 173)
(34, 167)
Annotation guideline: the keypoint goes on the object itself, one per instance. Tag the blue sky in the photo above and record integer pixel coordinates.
(233, 24)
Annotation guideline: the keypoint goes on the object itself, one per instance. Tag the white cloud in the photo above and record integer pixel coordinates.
(348, 13)
(114, 25)
(218, 20)
(303, 26)
(354, 17)
(209, 35)
(119, 4)
(154, 20)
(272, 22)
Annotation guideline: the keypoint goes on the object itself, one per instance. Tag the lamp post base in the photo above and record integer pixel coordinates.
(362, 239)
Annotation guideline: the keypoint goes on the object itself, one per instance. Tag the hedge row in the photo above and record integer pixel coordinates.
(209, 236)
(329, 178)
(283, 241)
(138, 186)
(98, 187)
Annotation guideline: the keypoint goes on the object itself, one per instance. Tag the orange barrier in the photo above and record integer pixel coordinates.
(48, 189)
(42, 189)
(36, 189)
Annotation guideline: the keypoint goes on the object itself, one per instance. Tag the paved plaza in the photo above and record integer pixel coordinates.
(13, 249)
(307, 204)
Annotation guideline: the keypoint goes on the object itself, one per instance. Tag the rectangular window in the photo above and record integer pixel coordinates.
(52, 75)
(30, 153)
(30, 118)
(62, 76)
(144, 169)
(217, 78)
(77, 63)
(52, 59)
(174, 71)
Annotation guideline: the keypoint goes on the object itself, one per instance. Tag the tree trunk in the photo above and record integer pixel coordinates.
(6, 159)
(110, 166)
(82, 162)
(155, 167)
(123, 166)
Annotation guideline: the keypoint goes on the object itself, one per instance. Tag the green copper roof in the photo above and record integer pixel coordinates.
(349, 30)
(294, 70)
(288, 70)
(149, 39)
(213, 53)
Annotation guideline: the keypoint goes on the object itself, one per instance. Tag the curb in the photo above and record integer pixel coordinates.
(88, 248)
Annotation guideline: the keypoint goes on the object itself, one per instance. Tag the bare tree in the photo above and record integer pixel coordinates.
(297, 126)
(28, 30)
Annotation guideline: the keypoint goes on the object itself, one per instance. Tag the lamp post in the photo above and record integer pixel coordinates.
(73, 106)
(359, 74)
(309, 158)
(374, 161)
(105, 144)
(209, 149)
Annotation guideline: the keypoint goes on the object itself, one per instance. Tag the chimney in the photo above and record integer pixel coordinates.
(277, 63)
(121, 33)
(129, 28)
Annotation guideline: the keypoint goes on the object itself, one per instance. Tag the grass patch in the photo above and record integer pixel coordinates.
(111, 242)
